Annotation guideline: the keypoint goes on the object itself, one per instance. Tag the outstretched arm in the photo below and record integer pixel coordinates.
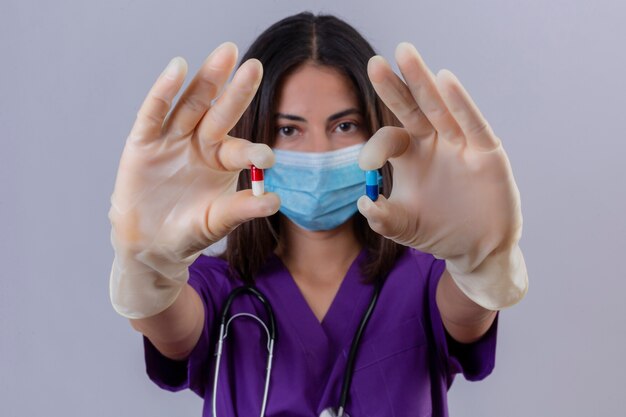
(175, 194)
(454, 194)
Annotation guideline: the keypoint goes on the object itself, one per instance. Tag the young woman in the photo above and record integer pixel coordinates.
(375, 310)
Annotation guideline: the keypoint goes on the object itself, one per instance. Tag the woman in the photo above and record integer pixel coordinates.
(434, 258)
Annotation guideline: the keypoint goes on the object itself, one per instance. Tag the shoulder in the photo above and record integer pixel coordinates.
(423, 264)
(413, 276)
(209, 271)
(209, 263)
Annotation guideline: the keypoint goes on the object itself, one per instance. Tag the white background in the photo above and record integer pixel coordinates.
(548, 75)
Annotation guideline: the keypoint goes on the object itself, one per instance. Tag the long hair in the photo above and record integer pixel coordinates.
(327, 41)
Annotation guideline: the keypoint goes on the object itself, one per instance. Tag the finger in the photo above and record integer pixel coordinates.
(225, 113)
(474, 126)
(229, 211)
(235, 154)
(197, 98)
(386, 218)
(422, 85)
(388, 142)
(396, 95)
(156, 105)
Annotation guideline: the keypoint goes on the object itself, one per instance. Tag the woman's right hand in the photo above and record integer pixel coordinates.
(175, 192)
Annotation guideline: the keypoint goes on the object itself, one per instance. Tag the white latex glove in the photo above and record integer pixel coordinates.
(453, 194)
(175, 192)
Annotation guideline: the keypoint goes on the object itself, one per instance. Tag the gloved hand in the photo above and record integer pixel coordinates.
(175, 192)
(453, 194)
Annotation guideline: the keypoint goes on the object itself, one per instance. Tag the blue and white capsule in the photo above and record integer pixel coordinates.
(372, 181)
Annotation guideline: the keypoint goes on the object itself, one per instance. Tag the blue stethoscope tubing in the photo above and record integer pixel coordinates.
(270, 330)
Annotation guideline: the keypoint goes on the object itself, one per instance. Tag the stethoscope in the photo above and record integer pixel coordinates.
(270, 330)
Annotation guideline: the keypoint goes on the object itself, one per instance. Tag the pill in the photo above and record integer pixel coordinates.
(372, 184)
(258, 184)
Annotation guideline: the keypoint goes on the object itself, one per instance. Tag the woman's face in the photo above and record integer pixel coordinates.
(318, 111)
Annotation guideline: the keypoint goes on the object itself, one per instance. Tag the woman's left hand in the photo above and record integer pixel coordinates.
(453, 193)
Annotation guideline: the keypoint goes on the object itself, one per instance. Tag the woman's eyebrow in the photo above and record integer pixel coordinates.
(343, 114)
(330, 118)
(290, 117)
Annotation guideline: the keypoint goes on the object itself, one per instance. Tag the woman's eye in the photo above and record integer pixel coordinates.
(286, 131)
(346, 127)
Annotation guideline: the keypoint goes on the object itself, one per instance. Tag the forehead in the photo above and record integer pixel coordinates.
(316, 87)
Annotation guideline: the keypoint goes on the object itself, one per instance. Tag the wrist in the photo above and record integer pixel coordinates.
(499, 281)
(139, 291)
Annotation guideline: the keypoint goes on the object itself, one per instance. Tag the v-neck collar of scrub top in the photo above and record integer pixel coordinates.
(327, 339)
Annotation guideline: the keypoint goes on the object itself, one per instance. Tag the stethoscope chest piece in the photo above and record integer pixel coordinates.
(329, 412)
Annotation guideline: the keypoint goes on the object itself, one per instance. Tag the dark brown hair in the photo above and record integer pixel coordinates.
(323, 40)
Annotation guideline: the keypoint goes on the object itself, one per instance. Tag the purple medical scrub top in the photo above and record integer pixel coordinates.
(405, 364)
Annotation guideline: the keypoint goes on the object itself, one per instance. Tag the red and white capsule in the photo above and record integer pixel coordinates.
(258, 183)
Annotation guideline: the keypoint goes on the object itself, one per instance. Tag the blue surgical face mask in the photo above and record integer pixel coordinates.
(318, 190)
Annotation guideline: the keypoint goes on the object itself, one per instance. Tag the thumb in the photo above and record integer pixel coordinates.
(387, 218)
(229, 211)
